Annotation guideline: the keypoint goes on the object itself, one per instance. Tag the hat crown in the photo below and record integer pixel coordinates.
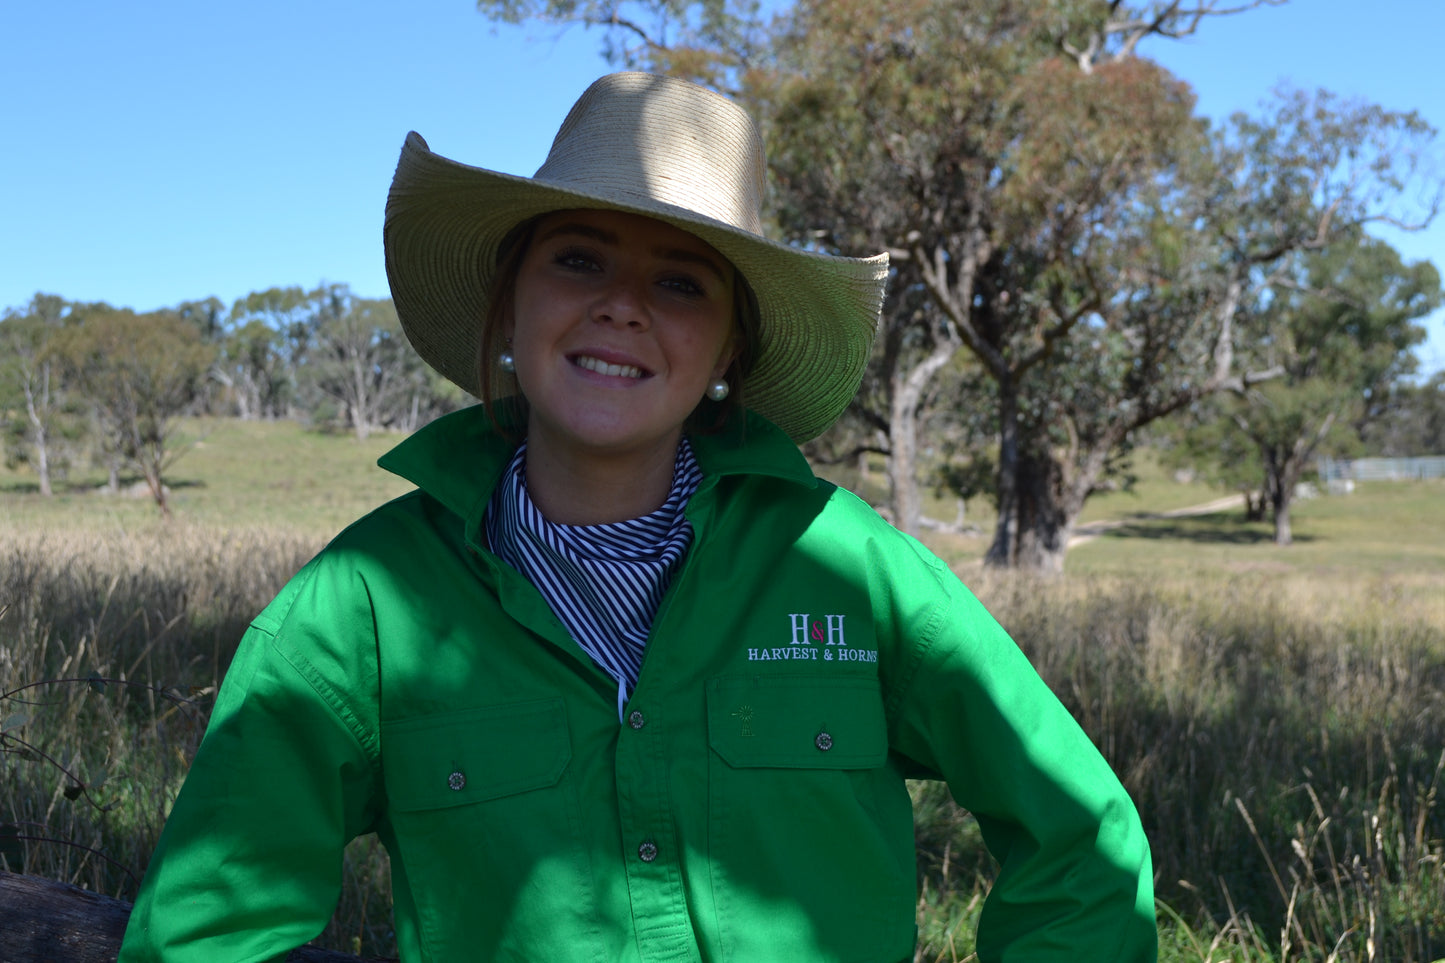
(659, 140)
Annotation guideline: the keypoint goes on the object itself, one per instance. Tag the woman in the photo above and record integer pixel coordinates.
(621, 679)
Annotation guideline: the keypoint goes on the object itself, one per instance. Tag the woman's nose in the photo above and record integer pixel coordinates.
(623, 301)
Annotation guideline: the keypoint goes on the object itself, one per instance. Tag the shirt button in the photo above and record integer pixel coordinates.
(636, 719)
(647, 852)
(823, 741)
(456, 781)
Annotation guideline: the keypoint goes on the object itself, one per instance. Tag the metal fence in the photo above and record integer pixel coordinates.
(1381, 469)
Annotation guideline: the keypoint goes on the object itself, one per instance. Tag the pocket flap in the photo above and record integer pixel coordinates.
(797, 722)
(438, 761)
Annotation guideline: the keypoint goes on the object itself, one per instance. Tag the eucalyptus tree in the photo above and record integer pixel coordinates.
(33, 389)
(140, 372)
(357, 368)
(1408, 420)
(1341, 326)
(268, 334)
(1055, 210)
(1086, 238)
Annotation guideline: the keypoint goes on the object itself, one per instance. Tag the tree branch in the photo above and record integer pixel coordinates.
(1129, 25)
(934, 272)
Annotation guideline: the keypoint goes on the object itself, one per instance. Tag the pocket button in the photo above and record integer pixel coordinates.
(824, 741)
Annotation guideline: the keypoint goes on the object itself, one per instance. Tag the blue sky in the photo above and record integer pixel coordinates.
(162, 151)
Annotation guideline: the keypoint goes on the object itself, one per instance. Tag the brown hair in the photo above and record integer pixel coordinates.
(501, 396)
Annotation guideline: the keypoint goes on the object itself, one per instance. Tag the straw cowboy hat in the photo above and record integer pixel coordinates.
(647, 145)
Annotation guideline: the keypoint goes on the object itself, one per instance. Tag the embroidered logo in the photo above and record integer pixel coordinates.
(744, 716)
(812, 639)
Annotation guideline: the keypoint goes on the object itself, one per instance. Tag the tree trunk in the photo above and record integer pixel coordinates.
(902, 467)
(1043, 523)
(1001, 553)
(1041, 493)
(157, 486)
(360, 404)
(1278, 490)
(907, 395)
(1282, 533)
(359, 425)
(37, 423)
(42, 459)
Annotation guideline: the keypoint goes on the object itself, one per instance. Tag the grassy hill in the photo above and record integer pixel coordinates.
(231, 473)
(241, 474)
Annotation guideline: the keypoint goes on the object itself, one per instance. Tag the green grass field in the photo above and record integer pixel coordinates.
(1276, 713)
(230, 472)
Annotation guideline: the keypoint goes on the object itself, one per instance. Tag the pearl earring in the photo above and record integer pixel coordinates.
(718, 390)
(505, 361)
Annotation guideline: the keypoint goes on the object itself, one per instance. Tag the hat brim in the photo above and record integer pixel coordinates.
(445, 222)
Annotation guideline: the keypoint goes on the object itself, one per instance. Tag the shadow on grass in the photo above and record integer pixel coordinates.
(1220, 529)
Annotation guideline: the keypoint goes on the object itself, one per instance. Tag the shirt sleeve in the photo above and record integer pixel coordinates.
(248, 865)
(1075, 878)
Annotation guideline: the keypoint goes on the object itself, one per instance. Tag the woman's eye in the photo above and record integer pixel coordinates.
(575, 260)
(684, 285)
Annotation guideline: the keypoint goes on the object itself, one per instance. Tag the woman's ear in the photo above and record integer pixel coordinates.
(730, 352)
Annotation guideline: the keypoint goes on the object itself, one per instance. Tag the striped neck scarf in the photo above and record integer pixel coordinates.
(604, 582)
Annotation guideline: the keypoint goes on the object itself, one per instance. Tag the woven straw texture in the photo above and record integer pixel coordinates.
(654, 146)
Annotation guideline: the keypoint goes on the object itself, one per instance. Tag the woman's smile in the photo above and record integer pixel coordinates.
(619, 324)
(590, 363)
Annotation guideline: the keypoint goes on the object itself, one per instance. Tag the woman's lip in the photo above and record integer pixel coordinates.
(612, 369)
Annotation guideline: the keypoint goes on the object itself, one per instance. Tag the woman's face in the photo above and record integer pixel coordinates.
(619, 323)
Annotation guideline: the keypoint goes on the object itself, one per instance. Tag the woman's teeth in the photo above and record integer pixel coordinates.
(612, 370)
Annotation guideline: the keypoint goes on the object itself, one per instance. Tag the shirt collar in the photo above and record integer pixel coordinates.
(459, 458)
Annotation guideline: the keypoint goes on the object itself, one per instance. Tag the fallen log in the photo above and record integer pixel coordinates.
(44, 921)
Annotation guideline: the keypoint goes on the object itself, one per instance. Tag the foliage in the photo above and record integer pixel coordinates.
(1407, 419)
(89, 381)
(140, 373)
(45, 420)
(352, 360)
(1339, 328)
(711, 41)
(338, 360)
(254, 364)
(1053, 207)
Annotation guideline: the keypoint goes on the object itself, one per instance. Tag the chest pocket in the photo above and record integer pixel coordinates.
(814, 827)
(441, 761)
(481, 810)
(797, 722)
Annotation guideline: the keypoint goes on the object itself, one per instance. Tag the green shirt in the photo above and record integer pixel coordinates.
(751, 806)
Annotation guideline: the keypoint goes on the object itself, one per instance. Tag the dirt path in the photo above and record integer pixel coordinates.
(1091, 531)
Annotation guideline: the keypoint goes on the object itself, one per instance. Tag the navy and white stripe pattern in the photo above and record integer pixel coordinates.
(604, 582)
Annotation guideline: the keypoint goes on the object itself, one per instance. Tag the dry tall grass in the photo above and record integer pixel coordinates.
(1282, 738)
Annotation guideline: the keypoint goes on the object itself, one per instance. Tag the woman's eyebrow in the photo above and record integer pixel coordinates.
(609, 237)
(692, 257)
(585, 230)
